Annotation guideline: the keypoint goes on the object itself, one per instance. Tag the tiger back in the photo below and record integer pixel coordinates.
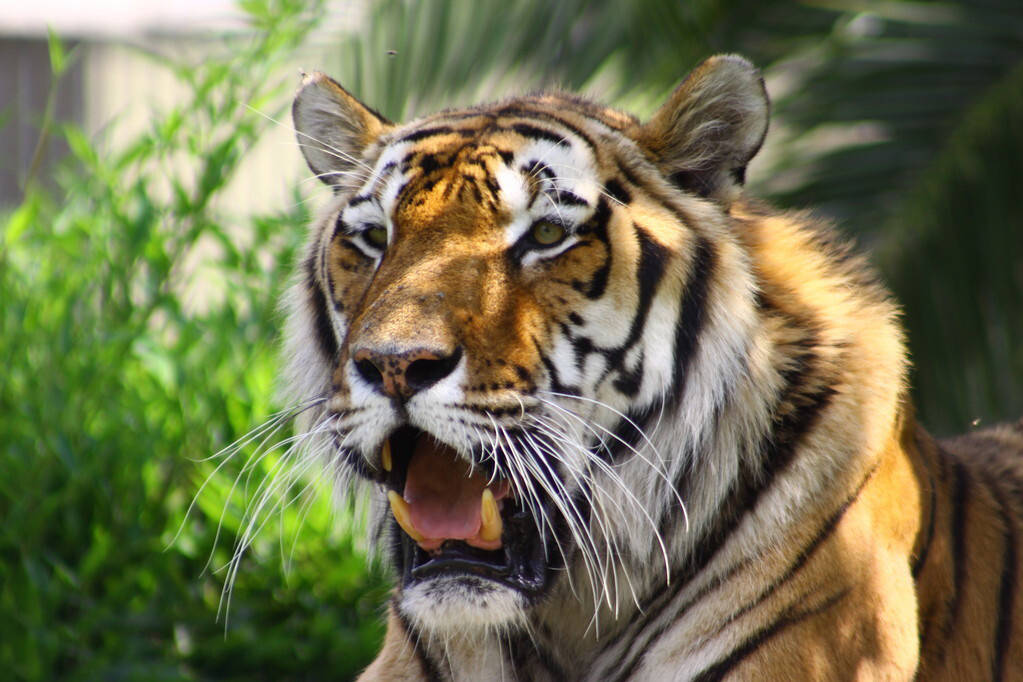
(619, 421)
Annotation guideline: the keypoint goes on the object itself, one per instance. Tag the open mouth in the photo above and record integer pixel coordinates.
(458, 518)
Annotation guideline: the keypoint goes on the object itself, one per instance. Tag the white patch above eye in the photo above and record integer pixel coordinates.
(394, 181)
(561, 171)
(573, 168)
(362, 213)
(513, 189)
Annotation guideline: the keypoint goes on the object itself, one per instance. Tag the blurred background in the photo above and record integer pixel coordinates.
(152, 200)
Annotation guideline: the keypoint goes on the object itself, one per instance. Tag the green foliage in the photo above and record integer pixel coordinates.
(954, 253)
(126, 367)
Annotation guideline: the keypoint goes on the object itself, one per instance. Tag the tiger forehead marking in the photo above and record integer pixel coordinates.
(619, 422)
(455, 198)
(497, 166)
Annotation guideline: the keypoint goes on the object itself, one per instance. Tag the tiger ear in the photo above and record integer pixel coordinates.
(333, 127)
(711, 126)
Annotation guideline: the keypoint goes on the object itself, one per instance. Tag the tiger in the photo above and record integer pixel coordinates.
(614, 419)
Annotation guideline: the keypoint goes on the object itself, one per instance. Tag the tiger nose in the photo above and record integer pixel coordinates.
(402, 375)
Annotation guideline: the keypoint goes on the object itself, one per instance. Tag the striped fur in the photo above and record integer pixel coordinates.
(700, 402)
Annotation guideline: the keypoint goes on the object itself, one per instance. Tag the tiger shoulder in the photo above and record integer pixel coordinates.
(618, 421)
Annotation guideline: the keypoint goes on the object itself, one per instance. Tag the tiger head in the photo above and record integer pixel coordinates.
(496, 321)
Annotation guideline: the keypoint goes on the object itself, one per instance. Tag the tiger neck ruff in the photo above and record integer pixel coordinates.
(619, 421)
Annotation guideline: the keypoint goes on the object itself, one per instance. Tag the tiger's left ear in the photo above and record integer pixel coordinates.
(712, 125)
(333, 127)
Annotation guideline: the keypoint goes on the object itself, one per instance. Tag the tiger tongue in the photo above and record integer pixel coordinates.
(444, 497)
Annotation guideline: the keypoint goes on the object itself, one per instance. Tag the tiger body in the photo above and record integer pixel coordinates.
(689, 412)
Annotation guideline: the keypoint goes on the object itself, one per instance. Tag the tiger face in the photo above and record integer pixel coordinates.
(504, 300)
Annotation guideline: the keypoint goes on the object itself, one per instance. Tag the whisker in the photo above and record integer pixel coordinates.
(599, 500)
(268, 428)
(613, 476)
(281, 474)
(572, 514)
(638, 453)
(339, 153)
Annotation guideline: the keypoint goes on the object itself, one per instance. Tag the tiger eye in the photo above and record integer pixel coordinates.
(376, 236)
(547, 233)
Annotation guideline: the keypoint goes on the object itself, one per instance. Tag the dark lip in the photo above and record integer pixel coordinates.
(520, 564)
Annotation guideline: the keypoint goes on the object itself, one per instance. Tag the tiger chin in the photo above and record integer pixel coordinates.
(618, 421)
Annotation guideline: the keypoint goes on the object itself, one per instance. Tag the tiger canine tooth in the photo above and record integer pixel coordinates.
(490, 518)
(385, 455)
(399, 507)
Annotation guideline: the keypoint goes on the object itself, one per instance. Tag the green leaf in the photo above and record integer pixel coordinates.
(58, 57)
(23, 217)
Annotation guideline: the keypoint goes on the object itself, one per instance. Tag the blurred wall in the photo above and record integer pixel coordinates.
(24, 85)
(113, 90)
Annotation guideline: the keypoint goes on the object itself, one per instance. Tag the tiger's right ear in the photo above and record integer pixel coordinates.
(333, 127)
(710, 127)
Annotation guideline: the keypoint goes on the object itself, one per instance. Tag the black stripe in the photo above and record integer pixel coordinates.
(692, 313)
(692, 308)
(960, 498)
(526, 650)
(325, 339)
(805, 553)
(355, 201)
(757, 475)
(430, 670)
(537, 169)
(628, 381)
(617, 191)
(527, 130)
(1006, 587)
(925, 548)
(597, 225)
(417, 135)
(752, 643)
(668, 200)
(514, 110)
(743, 496)
(335, 301)
(470, 183)
(427, 163)
(625, 436)
(552, 372)
(563, 196)
(340, 228)
(506, 156)
(653, 259)
(665, 600)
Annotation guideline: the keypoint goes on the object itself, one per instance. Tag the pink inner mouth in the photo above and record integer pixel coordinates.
(444, 496)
